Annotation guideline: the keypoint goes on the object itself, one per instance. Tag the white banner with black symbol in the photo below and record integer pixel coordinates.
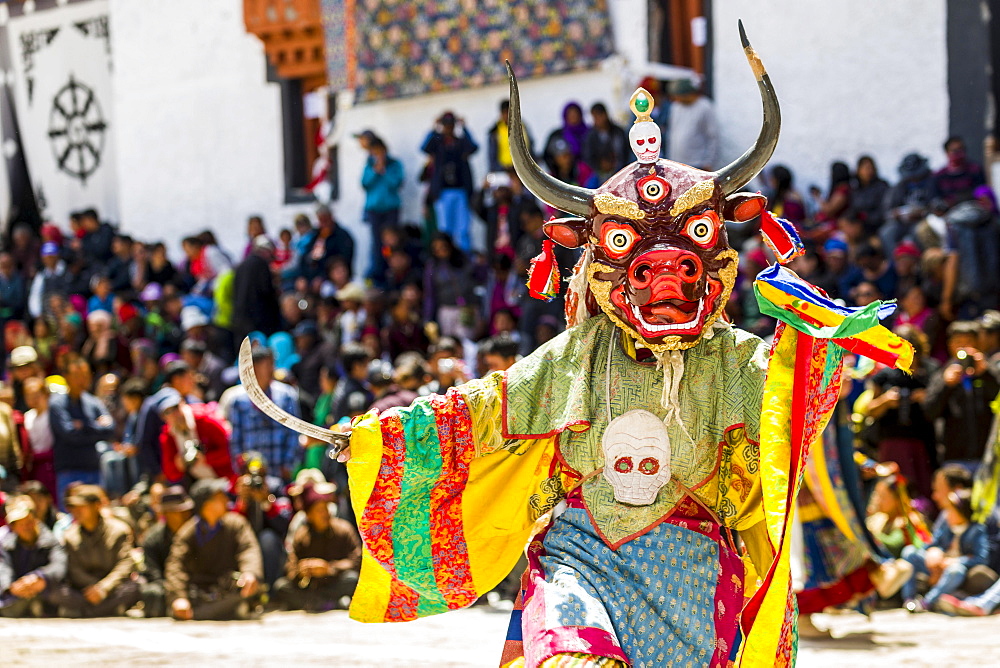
(61, 74)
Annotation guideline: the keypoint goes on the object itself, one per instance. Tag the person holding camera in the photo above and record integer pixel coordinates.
(258, 498)
(194, 444)
(449, 146)
(960, 395)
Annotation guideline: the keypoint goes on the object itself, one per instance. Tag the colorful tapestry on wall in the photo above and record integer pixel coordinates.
(408, 48)
(338, 31)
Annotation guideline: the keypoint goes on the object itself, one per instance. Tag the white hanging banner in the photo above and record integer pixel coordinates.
(61, 74)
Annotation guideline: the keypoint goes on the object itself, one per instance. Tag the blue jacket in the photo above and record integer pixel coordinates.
(973, 544)
(382, 190)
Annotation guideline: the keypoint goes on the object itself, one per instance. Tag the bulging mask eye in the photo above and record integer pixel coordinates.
(703, 229)
(617, 239)
(652, 188)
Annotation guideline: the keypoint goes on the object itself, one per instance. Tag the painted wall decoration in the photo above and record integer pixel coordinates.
(61, 75)
(408, 48)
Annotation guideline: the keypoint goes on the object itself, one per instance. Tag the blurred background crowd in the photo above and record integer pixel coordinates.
(122, 407)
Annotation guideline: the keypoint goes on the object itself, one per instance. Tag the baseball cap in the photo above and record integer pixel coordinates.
(907, 248)
(151, 293)
(50, 248)
(262, 242)
(316, 492)
(306, 328)
(835, 245)
(191, 317)
(23, 355)
(367, 135)
(19, 507)
(84, 495)
(175, 500)
(171, 399)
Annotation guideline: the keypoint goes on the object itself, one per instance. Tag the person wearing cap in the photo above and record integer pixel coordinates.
(50, 279)
(100, 567)
(450, 146)
(214, 567)
(79, 422)
(325, 559)
(32, 561)
(694, 129)
(194, 443)
(178, 378)
(23, 365)
(253, 430)
(176, 508)
(382, 178)
(193, 321)
(255, 294)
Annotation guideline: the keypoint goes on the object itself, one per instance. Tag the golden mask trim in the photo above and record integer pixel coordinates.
(612, 205)
(693, 196)
(602, 293)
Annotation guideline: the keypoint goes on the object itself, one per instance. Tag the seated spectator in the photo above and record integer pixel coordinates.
(499, 352)
(351, 392)
(409, 374)
(252, 430)
(177, 378)
(175, 510)
(957, 545)
(892, 520)
(99, 579)
(207, 367)
(258, 498)
(214, 567)
(32, 562)
(194, 443)
(956, 181)
(323, 565)
(45, 508)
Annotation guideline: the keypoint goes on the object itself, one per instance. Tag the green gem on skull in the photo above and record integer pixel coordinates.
(642, 104)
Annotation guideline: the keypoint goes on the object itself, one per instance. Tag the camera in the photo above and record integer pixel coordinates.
(255, 474)
(191, 450)
(965, 359)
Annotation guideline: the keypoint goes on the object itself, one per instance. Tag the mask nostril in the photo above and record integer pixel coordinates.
(689, 268)
(642, 272)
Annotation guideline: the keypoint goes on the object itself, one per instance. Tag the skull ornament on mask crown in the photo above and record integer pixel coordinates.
(662, 267)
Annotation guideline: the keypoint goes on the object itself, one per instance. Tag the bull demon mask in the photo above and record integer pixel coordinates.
(662, 267)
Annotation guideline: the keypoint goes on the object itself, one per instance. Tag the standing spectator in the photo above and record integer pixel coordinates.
(214, 568)
(956, 181)
(32, 562)
(255, 295)
(207, 366)
(99, 579)
(960, 395)
(13, 292)
(785, 202)
(255, 228)
(605, 139)
(972, 283)
(382, 178)
(38, 426)
(329, 243)
(449, 146)
(175, 510)
(177, 377)
(694, 129)
(95, 244)
(314, 355)
(193, 444)
(837, 202)
(159, 269)
(325, 559)
(253, 430)
(907, 202)
(868, 191)
(573, 132)
(121, 267)
(79, 422)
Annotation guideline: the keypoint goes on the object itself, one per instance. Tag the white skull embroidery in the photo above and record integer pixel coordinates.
(644, 137)
(636, 457)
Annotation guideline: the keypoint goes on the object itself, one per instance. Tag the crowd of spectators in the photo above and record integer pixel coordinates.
(122, 404)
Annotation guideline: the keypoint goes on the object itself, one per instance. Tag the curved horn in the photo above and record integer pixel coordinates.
(739, 173)
(552, 191)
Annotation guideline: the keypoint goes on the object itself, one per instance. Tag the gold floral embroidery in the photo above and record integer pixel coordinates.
(692, 197)
(612, 205)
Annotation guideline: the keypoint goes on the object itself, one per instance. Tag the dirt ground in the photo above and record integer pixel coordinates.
(466, 638)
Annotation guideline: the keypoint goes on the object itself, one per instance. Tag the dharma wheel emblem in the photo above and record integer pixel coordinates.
(76, 130)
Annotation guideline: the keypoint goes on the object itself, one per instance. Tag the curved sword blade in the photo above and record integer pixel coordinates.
(272, 410)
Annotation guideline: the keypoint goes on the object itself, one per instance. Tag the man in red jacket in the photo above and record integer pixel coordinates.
(194, 443)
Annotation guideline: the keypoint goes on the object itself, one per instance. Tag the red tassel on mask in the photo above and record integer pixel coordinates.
(543, 276)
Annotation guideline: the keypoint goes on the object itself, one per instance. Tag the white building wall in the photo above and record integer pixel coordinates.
(853, 77)
(199, 127)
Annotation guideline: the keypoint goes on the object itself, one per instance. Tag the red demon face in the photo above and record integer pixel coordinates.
(662, 268)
